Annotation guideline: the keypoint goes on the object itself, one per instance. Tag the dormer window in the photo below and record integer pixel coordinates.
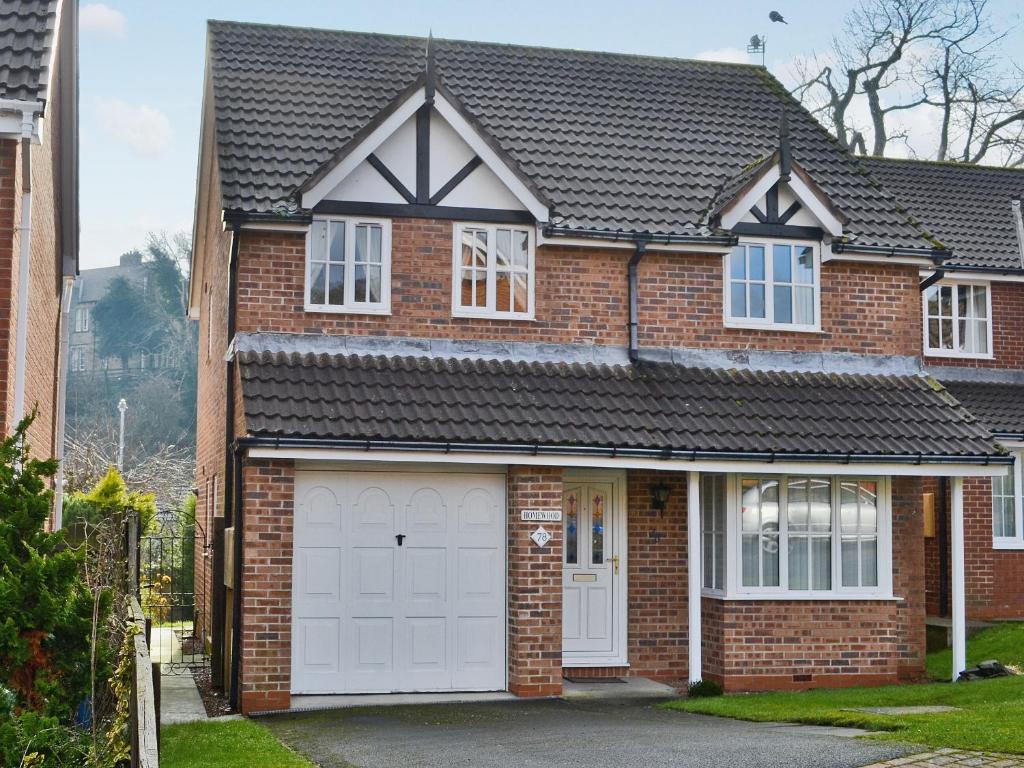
(773, 285)
(348, 266)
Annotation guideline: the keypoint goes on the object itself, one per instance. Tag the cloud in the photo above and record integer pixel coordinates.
(734, 55)
(101, 19)
(144, 129)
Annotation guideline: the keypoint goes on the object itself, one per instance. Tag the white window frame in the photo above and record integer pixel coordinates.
(1016, 541)
(708, 529)
(734, 539)
(350, 306)
(77, 361)
(768, 323)
(955, 352)
(490, 310)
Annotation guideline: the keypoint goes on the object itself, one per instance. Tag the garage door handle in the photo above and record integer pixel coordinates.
(399, 537)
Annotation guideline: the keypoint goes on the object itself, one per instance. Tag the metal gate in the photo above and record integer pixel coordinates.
(172, 585)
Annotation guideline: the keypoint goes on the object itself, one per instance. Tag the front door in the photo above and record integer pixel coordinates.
(593, 573)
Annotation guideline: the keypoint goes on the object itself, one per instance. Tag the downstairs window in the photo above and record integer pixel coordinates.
(1008, 506)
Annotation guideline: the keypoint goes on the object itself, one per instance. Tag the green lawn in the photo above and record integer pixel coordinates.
(992, 716)
(225, 744)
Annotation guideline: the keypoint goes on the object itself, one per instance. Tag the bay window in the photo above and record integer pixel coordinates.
(1008, 505)
(957, 320)
(493, 271)
(773, 285)
(348, 266)
(793, 536)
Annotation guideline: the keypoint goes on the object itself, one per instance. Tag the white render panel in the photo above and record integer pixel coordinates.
(448, 152)
(372, 616)
(366, 185)
(398, 153)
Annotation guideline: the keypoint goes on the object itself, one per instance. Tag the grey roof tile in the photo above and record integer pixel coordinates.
(25, 42)
(1000, 407)
(612, 141)
(967, 207)
(652, 406)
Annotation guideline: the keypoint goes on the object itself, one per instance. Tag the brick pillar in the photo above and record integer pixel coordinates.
(534, 586)
(268, 490)
(908, 575)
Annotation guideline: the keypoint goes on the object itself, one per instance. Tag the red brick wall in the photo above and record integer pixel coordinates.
(1007, 340)
(769, 645)
(534, 586)
(658, 605)
(268, 498)
(581, 298)
(994, 587)
(10, 205)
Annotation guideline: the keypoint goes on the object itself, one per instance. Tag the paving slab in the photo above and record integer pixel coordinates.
(557, 733)
(180, 701)
(953, 758)
(927, 709)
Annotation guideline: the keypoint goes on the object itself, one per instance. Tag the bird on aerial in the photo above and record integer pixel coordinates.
(776, 16)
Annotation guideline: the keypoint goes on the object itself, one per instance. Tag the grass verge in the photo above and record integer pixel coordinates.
(225, 744)
(990, 716)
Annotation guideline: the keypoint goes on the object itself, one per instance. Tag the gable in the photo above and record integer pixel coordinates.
(449, 156)
(781, 201)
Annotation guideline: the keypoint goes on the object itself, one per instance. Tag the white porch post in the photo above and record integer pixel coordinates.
(695, 574)
(959, 601)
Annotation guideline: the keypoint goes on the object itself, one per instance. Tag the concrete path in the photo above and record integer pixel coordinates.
(179, 699)
(954, 758)
(595, 733)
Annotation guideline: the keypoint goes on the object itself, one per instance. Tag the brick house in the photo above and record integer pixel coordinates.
(38, 212)
(980, 289)
(523, 363)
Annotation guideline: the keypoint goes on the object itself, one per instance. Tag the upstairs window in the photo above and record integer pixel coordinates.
(348, 266)
(957, 320)
(77, 358)
(493, 271)
(1008, 506)
(82, 319)
(773, 285)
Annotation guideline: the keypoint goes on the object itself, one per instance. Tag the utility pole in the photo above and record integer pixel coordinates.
(122, 406)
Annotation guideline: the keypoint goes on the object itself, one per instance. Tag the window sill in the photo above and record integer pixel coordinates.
(774, 327)
(949, 355)
(1008, 544)
(492, 316)
(796, 597)
(334, 310)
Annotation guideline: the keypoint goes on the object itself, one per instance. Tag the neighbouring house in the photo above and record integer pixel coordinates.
(38, 212)
(973, 315)
(520, 363)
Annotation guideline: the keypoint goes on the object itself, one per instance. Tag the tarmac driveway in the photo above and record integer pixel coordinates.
(576, 734)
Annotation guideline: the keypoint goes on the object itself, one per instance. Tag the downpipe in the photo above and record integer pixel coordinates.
(632, 271)
(62, 399)
(24, 261)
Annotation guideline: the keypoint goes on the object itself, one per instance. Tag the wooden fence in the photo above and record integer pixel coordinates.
(143, 710)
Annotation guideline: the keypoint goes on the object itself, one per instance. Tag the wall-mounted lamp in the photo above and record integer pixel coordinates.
(659, 497)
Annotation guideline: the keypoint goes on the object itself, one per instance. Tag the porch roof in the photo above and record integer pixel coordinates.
(658, 407)
(999, 406)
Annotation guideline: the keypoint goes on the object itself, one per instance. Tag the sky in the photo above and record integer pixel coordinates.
(142, 72)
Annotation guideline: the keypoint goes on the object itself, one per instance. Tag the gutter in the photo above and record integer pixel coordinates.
(937, 255)
(1012, 437)
(616, 235)
(987, 270)
(62, 378)
(24, 261)
(235, 218)
(534, 449)
(232, 474)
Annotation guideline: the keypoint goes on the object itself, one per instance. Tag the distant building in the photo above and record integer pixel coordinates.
(91, 286)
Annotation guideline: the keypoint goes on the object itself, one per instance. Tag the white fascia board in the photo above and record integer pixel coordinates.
(980, 277)
(629, 245)
(732, 216)
(598, 462)
(377, 136)
(14, 115)
(272, 226)
(868, 258)
(491, 159)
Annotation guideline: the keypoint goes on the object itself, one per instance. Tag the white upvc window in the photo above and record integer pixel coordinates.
(82, 319)
(1008, 505)
(809, 536)
(493, 271)
(713, 513)
(77, 361)
(348, 266)
(958, 319)
(774, 285)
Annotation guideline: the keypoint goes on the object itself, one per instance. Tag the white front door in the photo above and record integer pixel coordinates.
(593, 571)
(398, 582)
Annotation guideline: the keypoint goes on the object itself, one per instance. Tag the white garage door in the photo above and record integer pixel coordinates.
(398, 582)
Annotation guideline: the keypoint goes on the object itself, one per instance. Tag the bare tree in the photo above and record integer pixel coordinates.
(900, 55)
